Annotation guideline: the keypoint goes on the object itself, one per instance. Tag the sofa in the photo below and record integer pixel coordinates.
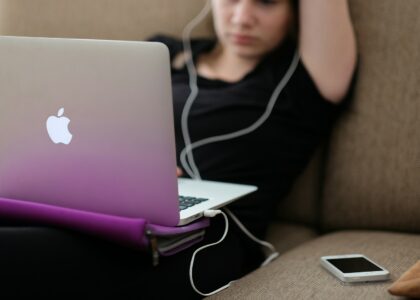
(361, 191)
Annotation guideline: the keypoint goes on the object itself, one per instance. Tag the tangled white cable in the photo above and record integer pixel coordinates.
(209, 213)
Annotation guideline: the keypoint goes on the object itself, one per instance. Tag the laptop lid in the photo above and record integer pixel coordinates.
(118, 154)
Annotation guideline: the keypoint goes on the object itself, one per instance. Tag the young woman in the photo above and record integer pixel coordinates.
(237, 72)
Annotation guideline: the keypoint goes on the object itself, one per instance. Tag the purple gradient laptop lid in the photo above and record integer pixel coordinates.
(88, 124)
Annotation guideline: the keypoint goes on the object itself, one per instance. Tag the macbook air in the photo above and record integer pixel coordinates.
(88, 124)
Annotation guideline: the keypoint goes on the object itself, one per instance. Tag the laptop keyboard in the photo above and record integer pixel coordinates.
(186, 202)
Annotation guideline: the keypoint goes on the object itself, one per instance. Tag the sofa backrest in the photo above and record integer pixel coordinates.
(100, 19)
(373, 171)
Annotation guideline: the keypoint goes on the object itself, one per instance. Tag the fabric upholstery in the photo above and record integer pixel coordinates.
(302, 203)
(286, 236)
(103, 19)
(297, 274)
(373, 172)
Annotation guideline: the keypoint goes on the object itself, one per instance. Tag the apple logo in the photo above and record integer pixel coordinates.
(57, 127)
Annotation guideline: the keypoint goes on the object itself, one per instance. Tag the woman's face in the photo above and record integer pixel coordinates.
(251, 28)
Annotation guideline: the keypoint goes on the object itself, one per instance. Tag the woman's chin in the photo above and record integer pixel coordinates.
(247, 52)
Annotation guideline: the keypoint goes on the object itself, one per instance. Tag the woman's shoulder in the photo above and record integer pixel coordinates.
(174, 41)
(174, 44)
(163, 38)
(176, 47)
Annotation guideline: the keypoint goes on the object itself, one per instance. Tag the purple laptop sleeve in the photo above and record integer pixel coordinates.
(132, 232)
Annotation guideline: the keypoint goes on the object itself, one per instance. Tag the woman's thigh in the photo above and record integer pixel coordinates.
(58, 263)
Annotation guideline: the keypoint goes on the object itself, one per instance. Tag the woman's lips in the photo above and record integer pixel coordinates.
(242, 39)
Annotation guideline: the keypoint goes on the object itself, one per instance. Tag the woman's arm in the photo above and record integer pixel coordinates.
(328, 45)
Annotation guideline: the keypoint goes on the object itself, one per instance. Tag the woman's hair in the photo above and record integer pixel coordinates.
(295, 5)
(294, 30)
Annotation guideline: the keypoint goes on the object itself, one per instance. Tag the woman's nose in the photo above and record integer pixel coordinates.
(243, 14)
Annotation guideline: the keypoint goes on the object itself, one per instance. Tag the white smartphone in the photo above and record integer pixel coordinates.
(354, 268)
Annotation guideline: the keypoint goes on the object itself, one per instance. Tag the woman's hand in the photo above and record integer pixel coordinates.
(178, 171)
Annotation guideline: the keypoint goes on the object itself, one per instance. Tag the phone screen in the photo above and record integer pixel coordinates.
(353, 265)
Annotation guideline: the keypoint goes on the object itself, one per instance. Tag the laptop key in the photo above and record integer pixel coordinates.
(188, 201)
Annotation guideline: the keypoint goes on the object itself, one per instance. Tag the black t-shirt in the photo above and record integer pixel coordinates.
(272, 156)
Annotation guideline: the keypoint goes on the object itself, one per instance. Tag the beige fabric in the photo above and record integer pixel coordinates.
(108, 19)
(373, 175)
(285, 236)
(298, 274)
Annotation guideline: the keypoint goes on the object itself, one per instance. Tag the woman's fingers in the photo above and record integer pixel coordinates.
(178, 172)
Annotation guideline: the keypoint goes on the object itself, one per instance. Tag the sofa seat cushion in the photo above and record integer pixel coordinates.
(285, 236)
(297, 274)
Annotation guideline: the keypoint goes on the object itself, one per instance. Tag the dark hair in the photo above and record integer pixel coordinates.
(294, 30)
(295, 4)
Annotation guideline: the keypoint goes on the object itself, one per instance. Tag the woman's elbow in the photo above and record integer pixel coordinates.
(334, 82)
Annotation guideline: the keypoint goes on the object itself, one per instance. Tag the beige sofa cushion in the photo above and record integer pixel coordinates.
(285, 236)
(373, 175)
(297, 274)
(302, 204)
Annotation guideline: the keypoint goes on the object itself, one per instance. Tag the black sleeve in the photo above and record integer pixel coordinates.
(308, 101)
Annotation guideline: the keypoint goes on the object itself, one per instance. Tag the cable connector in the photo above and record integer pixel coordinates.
(210, 213)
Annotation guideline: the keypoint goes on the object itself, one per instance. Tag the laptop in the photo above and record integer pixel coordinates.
(88, 124)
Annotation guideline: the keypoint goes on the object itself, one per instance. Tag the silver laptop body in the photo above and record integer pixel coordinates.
(88, 124)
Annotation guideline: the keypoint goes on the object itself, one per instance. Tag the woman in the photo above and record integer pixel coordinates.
(237, 73)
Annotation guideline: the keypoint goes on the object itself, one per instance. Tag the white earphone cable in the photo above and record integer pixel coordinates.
(192, 72)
